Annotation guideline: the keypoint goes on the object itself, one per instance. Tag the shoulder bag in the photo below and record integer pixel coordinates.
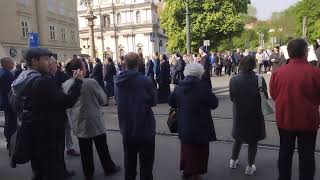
(266, 107)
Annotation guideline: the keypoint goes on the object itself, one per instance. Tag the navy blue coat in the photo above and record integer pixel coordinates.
(157, 69)
(135, 95)
(6, 79)
(194, 100)
(150, 71)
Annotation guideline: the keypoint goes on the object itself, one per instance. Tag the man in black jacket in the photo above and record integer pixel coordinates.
(205, 62)
(45, 104)
(6, 78)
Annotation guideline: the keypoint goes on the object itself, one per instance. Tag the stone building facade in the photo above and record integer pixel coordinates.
(55, 22)
(123, 26)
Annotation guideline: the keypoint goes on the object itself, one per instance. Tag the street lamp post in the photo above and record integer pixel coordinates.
(188, 34)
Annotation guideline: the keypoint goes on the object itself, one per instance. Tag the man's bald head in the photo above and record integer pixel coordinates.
(7, 63)
(131, 60)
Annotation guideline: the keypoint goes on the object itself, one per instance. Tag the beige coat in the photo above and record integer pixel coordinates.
(86, 115)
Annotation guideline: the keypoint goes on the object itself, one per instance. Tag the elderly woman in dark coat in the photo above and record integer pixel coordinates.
(194, 100)
(110, 73)
(164, 83)
(248, 120)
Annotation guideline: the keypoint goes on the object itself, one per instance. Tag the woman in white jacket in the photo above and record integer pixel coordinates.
(88, 123)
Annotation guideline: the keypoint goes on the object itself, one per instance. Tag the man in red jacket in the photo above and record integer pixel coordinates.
(295, 87)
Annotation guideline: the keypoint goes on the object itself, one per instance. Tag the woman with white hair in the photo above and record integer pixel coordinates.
(194, 101)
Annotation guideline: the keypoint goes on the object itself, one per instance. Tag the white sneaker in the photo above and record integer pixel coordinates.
(250, 170)
(234, 164)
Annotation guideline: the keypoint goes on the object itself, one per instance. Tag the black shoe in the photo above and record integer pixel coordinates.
(69, 174)
(89, 178)
(73, 152)
(113, 171)
(185, 176)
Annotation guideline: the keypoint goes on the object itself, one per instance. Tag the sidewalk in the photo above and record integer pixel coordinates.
(167, 162)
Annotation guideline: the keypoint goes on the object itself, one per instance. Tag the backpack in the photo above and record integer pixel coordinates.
(20, 150)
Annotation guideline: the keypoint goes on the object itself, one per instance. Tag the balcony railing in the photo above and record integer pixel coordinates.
(129, 24)
(103, 4)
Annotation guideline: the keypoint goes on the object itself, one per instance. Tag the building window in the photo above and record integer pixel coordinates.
(138, 17)
(24, 2)
(52, 32)
(61, 8)
(24, 28)
(119, 20)
(63, 34)
(105, 21)
(51, 5)
(73, 35)
(71, 14)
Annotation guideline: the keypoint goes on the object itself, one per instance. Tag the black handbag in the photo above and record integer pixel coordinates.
(173, 121)
(21, 145)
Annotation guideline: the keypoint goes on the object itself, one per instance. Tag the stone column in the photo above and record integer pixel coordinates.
(90, 17)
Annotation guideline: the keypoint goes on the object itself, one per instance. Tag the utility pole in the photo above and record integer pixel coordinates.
(304, 27)
(188, 34)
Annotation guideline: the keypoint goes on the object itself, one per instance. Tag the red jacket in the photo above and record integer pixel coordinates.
(295, 88)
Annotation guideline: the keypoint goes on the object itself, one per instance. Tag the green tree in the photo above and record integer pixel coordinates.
(309, 9)
(248, 39)
(252, 11)
(216, 20)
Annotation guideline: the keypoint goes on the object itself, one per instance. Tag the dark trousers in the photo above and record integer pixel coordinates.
(145, 151)
(252, 151)
(110, 88)
(260, 65)
(86, 152)
(306, 148)
(10, 124)
(47, 160)
(219, 70)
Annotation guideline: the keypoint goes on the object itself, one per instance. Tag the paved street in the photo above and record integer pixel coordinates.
(167, 147)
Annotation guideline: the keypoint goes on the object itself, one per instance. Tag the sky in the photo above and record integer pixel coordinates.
(265, 8)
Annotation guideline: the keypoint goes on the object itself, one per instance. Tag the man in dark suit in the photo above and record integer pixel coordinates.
(87, 68)
(97, 73)
(6, 79)
(150, 71)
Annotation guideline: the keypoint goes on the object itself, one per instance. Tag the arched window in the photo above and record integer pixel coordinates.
(119, 20)
(138, 17)
(106, 21)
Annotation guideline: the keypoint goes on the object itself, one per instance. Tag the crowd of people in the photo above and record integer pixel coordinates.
(50, 100)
